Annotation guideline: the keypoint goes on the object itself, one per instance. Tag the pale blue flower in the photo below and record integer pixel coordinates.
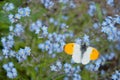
(47, 3)
(27, 11)
(96, 25)
(22, 54)
(111, 56)
(41, 46)
(3, 40)
(117, 19)
(63, 25)
(19, 29)
(11, 71)
(51, 20)
(11, 18)
(92, 9)
(24, 11)
(10, 75)
(86, 39)
(7, 44)
(116, 75)
(5, 52)
(66, 78)
(59, 64)
(78, 40)
(110, 2)
(17, 16)
(33, 27)
(53, 68)
(72, 4)
(11, 28)
(6, 67)
(27, 50)
(39, 23)
(8, 6)
(102, 72)
(70, 70)
(12, 53)
(10, 64)
(110, 29)
(76, 77)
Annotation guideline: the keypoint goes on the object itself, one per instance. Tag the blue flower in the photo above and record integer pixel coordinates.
(41, 46)
(9, 42)
(116, 75)
(53, 68)
(11, 28)
(6, 67)
(17, 16)
(39, 28)
(92, 9)
(96, 25)
(47, 3)
(78, 40)
(12, 53)
(51, 20)
(109, 28)
(3, 40)
(63, 25)
(10, 37)
(19, 29)
(39, 23)
(110, 2)
(10, 64)
(24, 11)
(33, 27)
(76, 77)
(86, 39)
(23, 53)
(70, 70)
(8, 6)
(5, 52)
(72, 4)
(11, 71)
(66, 78)
(27, 11)
(27, 50)
(10, 75)
(117, 19)
(57, 66)
(11, 18)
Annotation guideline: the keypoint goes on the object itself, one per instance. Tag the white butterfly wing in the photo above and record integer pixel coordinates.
(85, 59)
(76, 57)
(86, 56)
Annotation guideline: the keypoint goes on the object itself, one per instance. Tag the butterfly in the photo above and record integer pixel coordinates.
(81, 53)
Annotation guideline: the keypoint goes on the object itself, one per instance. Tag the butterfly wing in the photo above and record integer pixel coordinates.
(86, 56)
(76, 57)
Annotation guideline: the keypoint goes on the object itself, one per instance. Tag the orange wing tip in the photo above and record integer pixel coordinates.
(94, 54)
(69, 48)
